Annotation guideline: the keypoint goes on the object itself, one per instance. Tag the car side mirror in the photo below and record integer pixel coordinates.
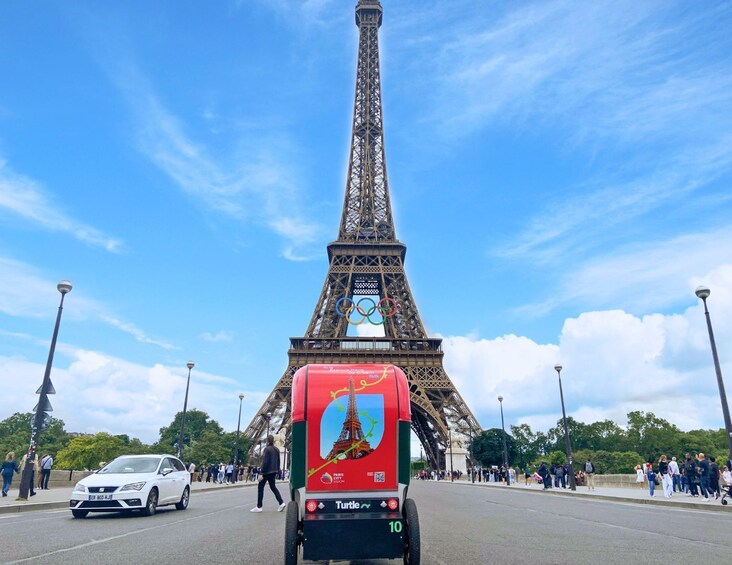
(166, 471)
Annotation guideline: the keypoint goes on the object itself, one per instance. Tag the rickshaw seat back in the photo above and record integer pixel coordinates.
(350, 429)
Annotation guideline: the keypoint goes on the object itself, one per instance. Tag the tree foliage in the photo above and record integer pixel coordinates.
(15, 435)
(487, 447)
(197, 422)
(89, 451)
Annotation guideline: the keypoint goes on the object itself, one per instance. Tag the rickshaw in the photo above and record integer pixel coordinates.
(350, 466)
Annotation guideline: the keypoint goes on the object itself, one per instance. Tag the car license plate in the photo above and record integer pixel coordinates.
(100, 497)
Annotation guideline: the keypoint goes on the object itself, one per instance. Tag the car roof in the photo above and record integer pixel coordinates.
(147, 455)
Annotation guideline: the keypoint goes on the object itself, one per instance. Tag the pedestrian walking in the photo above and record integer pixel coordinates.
(651, 475)
(666, 478)
(268, 472)
(46, 464)
(692, 478)
(673, 469)
(590, 474)
(35, 470)
(704, 472)
(714, 476)
(543, 472)
(9, 466)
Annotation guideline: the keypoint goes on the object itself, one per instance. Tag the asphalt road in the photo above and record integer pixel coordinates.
(460, 523)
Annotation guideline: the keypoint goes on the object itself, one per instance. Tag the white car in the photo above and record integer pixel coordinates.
(133, 482)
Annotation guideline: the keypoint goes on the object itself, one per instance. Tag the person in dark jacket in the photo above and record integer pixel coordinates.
(703, 470)
(268, 472)
(692, 478)
(9, 466)
(714, 476)
(543, 472)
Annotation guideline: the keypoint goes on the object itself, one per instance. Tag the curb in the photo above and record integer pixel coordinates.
(650, 501)
(31, 506)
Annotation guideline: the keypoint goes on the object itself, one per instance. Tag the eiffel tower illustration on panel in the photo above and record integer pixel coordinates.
(366, 285)
(351, 443)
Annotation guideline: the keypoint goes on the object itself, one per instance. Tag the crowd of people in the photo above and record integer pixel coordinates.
(227, 473)
(696, 476)
(39, 476)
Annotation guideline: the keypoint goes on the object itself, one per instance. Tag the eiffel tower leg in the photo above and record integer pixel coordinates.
(273, 415)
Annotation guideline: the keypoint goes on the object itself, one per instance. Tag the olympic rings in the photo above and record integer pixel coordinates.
(386, 307)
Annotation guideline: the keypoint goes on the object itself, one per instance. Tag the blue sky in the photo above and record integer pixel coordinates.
(560, 172)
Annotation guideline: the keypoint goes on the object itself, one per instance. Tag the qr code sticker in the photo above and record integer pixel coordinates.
(379, 477)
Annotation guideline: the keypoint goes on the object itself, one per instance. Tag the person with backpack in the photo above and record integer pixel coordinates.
(590, 474)
(560, 480)
(692, 479)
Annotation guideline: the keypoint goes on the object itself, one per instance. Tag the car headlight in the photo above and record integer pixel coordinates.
(133, 486)
(79, 488)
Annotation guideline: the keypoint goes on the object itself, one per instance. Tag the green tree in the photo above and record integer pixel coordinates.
(15, 435)
(529, 445)
(87, 452)
(197, 422)
(652, 436)
(558, 457)
(487, 447)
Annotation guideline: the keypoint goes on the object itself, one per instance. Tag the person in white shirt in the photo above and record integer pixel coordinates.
(675, 472)
(46, 464)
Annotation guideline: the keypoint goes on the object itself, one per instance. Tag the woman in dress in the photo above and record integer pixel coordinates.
(639, 476)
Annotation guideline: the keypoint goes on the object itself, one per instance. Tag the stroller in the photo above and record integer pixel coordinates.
(726, 493)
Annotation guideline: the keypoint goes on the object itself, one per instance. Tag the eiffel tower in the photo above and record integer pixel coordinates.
(366, 283)
(351, 442)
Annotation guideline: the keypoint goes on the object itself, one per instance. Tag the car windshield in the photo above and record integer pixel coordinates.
(132, 465)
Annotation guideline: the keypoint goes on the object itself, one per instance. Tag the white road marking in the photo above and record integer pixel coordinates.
(120, 536)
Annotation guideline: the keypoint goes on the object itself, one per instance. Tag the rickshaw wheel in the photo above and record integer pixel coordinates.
(291, 533)
(411, 535)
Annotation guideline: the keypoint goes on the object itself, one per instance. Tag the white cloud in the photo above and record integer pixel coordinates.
(219, 336)
(25, 198)
(259, 184)
(613, 362)
(29, 294)
(97, 392)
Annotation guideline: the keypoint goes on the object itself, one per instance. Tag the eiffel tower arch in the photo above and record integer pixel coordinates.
(366, 284)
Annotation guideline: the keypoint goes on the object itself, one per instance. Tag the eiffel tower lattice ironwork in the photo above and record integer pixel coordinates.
(351, 441)
(367, 263)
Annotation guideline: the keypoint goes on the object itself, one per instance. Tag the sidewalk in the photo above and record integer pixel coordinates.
(59, 497)
(616, 494)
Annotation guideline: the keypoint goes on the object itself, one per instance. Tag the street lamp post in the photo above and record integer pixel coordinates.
(236, 449)
(449, 435)
(64, 287)
(505, 449)
(703, 293)
(572, 484)
(472, 457)
(190, 366)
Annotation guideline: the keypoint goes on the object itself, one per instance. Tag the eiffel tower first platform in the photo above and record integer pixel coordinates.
(367, 285)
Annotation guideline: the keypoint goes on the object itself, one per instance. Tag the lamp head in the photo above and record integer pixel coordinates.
(558, 367)
(500, 398)
(64, 286)
(241, 397)
(190, 365)
(702, 292)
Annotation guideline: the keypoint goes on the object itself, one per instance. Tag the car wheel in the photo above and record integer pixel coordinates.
(183, 504)
(152, 503)
(292, 526)
(79, 513)
(411, 535)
